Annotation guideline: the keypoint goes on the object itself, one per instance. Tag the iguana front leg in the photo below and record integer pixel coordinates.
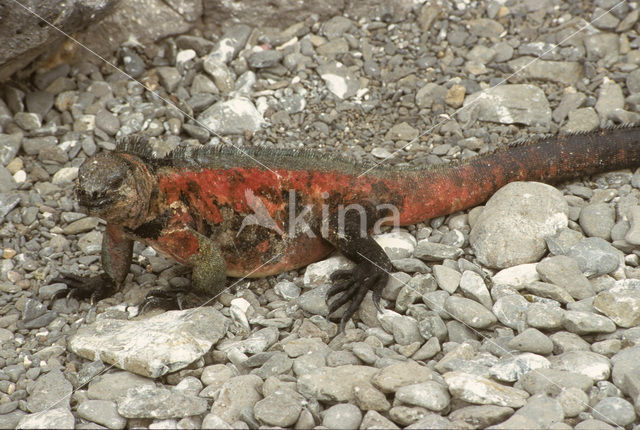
(117, 251)
(191, 248)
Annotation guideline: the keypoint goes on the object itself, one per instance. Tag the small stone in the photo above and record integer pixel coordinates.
(28, 121)
(582, 323)
(469, 312)
(50, 389)
(48, 419)
(478, 390)
(573, 401)
(633, 234)
(430, 394)
(588, 363)
(532, 340)
(597, 220)
(554, 381)
(511, 104)
(473, 286)
(545, 316)
(614, 410)
(481, 416)
(338, 79)
(565, 272)
(264, 58)
(129, 343)
(342, 416)
(389, 379)
(282, 408)
(621, 303)
(160, 403)
(430, 251)
(511, 310)
(233, 116)
(401, 131)
(169, 78)
(447, 278)
(334, 383)
(101, 412)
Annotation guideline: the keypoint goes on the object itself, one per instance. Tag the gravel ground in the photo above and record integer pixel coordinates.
(523, 314)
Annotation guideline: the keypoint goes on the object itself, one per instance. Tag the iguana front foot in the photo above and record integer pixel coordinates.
(82, 287)
(166, 298)
(355, 283)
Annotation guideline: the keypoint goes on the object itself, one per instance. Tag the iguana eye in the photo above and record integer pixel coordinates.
(116, 182)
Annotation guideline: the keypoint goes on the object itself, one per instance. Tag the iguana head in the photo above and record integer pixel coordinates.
(116, 187)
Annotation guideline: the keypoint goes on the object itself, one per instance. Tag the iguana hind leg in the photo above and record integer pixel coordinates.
(201, 253)
(348, 232)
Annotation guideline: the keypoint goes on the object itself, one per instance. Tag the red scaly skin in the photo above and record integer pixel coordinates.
(192, 205)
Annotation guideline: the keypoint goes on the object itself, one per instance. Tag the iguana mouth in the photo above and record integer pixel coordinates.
(91, 202)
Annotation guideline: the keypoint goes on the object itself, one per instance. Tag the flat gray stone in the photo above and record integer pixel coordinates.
(154, 346)
(511, 104)
(595, 366)
(101, 412)
(58, 418)
(566, 272)
(469, 312)
(478, 390)
(621, 303)
(110, 386)
(50, 391)
(159, 403)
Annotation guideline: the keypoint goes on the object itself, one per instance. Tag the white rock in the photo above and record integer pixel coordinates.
(482, 391)
(397, 244)
(319, 273)
(152, 347)
(65, 175)
(512, 228)
(517, 276)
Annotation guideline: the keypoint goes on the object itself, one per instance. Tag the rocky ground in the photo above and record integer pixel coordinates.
(522, 314)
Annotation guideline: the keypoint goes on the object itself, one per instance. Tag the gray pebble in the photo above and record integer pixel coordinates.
(473, 286)
(39, 102)
(614, 410)
(532, 340)
(264, 58)
(545, 316)
(51, 390)
(573, 401)
(282, 408)
(28, 121)
(430, 394)
(597, 220)
(107, 122)
(595, 256)
(342, 416)
(553, 381)
(157, 402)
(133, 64)
(595, 366)
(101, 412)
(511, 310)
(469, 312)
(169, 78)
(51, 418)
(565, 272)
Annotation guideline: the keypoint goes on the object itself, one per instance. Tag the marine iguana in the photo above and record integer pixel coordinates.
(224, 214)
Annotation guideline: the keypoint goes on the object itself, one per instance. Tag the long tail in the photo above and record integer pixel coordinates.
(444, 190)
